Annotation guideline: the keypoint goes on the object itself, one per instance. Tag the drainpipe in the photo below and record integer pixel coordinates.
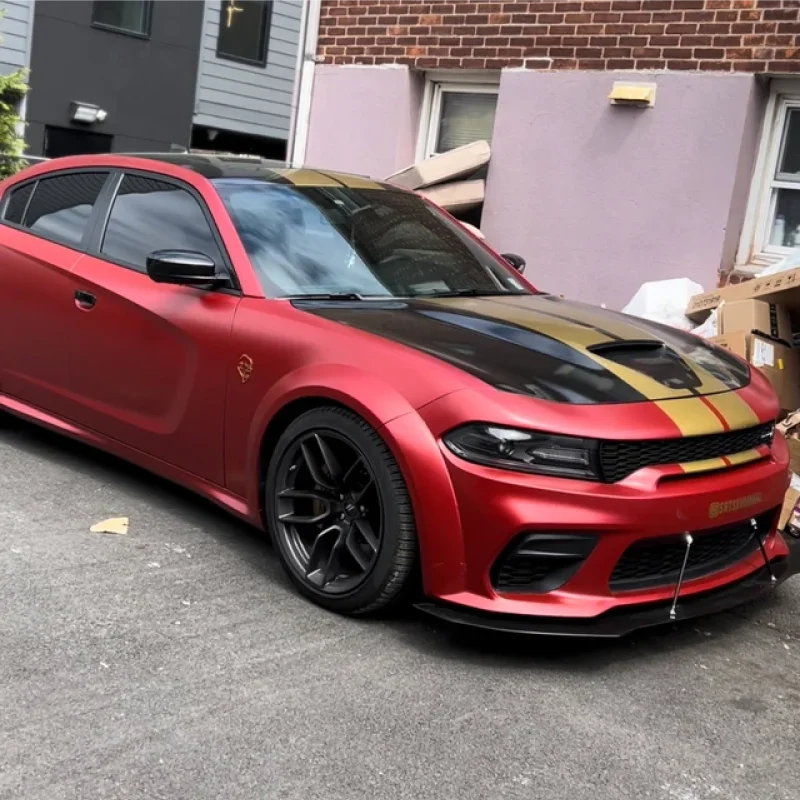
(304, 83)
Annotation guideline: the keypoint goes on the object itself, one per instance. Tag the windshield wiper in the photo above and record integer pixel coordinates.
(329, 296)
(471, 293)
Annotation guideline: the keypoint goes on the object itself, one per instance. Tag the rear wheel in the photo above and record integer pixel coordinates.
(339, 513)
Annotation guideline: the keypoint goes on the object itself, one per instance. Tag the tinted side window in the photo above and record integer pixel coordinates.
(149, 215)
(17, 203)
(61, 206)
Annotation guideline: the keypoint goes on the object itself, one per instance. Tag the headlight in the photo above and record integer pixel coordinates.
(526, 451)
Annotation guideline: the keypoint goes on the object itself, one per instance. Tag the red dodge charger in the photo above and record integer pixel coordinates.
(345, 366)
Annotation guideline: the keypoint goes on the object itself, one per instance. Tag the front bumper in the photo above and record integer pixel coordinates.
(623, 620)
(476, 514)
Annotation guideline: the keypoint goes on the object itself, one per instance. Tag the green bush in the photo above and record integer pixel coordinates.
(12, 91)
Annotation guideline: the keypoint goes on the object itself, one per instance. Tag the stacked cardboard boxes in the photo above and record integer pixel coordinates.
(755, 321)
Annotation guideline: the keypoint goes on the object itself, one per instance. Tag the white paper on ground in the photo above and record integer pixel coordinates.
(664, 302)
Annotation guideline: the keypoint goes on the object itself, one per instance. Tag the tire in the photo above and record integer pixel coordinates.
(374, 524)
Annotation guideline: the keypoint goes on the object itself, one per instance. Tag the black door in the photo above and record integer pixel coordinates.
(60, 142)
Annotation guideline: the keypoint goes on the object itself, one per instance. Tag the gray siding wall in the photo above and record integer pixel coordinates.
(244, 98)
(15, 31)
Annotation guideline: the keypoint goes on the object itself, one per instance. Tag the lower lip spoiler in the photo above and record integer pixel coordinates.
(620, 622)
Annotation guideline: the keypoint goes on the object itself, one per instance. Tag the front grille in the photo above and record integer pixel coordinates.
(620, 459)
(657, 562)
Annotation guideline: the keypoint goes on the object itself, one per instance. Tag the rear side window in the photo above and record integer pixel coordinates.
(149, 214)
(17, 203)
(61, 206)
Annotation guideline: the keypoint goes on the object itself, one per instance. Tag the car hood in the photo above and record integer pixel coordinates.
(547, 347)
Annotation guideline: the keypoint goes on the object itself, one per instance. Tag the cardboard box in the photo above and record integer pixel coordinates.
(782, 288)
(789, 428)
(444, 167)
(755, 315)
(458, 196)
(780, 365)
(789, 502)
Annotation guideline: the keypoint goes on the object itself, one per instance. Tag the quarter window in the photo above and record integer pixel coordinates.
(126, 16)
(61, 206)
(150, 214)
(244, 31)
(17, 203)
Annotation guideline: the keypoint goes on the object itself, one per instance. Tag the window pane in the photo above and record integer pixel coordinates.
(17, 203)
(243, 30)
(150, 215)
(308, 240)
(60, 207)
(127, 15)
(785, 230)
(790, 156)
(465, 117)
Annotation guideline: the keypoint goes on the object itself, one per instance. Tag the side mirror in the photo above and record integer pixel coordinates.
(184, 268)
(518, 262)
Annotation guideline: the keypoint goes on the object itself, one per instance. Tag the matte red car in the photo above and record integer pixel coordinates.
(342, 364)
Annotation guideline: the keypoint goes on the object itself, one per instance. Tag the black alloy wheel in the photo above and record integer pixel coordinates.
(339, 513)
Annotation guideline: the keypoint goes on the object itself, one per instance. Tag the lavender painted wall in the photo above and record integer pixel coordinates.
(364, 119)
(601, 198)
(597, 198)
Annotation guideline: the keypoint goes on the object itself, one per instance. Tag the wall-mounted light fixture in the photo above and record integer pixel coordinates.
(633, 94)
(86, 113)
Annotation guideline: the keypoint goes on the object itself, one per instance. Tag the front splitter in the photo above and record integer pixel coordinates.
(620, 622)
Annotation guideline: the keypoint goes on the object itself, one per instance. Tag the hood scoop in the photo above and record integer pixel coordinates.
(651, 358)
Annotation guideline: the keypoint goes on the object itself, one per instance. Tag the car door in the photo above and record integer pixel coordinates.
(150, 360)
(45, 223)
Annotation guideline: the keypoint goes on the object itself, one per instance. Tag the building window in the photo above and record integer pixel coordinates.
(455, 114)
(244, 31)
(124, 16)
(772, 226)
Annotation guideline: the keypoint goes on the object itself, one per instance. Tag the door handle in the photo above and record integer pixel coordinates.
(85, 300)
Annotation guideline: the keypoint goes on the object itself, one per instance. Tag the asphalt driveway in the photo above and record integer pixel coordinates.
(176, 662)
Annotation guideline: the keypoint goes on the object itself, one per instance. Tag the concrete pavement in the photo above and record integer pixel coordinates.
(176, 662)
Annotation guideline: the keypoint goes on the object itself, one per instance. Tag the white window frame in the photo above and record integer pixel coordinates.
(755, 251)
(436, 83)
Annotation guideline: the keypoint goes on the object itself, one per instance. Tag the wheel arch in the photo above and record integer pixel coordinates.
(411, 442)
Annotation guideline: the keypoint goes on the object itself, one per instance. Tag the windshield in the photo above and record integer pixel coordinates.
(310, 240)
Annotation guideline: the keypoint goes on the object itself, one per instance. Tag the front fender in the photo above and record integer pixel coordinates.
(404, 432)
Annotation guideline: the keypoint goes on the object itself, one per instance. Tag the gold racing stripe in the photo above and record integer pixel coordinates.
(734, 460)
(745, 457)
(586, 316)
(735, 410)
(706, 465)
(527, 319)
(307, 177)
(357, 182)
(691, 416)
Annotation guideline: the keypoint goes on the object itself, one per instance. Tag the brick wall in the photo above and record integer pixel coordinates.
(708, 35)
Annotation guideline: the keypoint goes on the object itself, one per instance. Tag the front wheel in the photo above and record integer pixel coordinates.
(339, 513)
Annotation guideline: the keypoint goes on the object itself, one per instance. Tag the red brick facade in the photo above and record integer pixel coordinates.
(707, 35)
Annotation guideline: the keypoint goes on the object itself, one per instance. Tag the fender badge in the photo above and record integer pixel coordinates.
(245, 368)
(729, 506)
